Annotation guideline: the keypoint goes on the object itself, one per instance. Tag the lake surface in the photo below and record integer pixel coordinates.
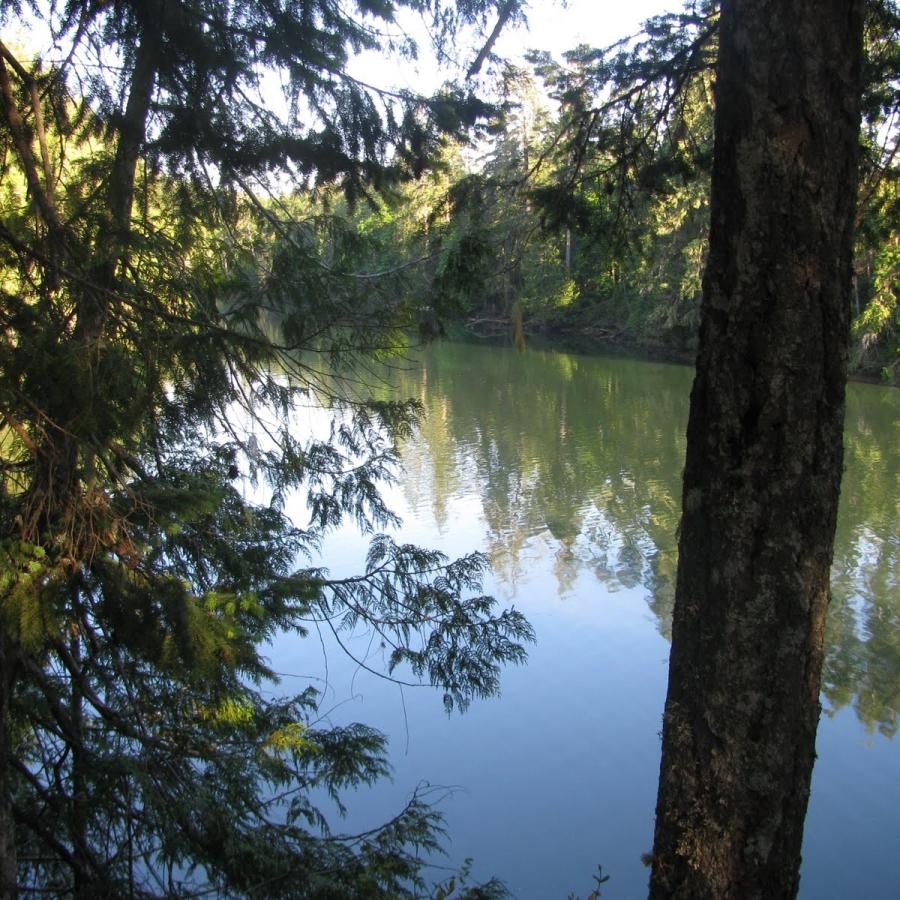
(566, 470)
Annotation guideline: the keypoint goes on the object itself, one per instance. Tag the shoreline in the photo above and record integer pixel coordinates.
(607, 341)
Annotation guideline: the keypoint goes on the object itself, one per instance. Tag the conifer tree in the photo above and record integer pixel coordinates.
(163, 310)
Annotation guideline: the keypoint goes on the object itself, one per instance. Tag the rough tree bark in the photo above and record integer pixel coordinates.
(764, 454)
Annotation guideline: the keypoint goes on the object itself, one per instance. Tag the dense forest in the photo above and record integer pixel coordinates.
(582, 212)
(185, 262)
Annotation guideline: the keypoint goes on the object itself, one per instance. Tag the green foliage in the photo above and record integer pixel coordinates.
(165, 310)
(879, 323)
(628, 157)
(631, 153)
(610, 194)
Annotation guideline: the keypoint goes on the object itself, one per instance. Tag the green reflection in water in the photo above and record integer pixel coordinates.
(585, 454)
(862, 663)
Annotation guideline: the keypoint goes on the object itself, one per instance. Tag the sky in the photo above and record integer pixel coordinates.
(554, 25)
(595, 22)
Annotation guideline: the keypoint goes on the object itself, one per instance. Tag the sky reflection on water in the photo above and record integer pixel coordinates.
(566, 470)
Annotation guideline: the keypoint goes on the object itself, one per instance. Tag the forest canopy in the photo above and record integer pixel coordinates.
(592, 191)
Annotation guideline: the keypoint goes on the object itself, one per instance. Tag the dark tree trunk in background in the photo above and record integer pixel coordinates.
(764, 454)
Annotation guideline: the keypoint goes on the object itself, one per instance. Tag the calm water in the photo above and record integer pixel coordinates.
(566, 470)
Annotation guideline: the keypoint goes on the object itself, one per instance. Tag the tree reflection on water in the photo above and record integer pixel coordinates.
(585, 454)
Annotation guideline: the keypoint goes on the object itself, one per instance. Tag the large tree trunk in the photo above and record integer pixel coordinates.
(764, 454)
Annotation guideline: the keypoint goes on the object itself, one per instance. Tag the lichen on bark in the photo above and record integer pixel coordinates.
(764, 454)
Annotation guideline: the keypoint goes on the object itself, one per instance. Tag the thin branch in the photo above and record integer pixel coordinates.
(23, 147)
(505, 15)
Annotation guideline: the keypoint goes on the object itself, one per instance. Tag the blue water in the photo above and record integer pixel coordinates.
(566, 469)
